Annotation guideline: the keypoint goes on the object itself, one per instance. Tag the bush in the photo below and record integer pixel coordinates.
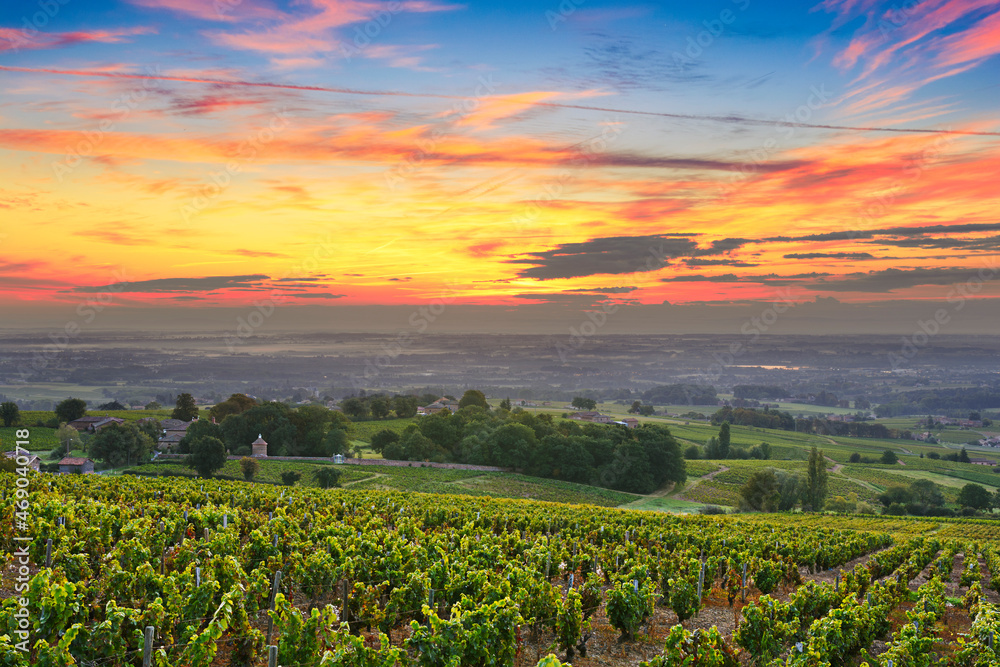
(940, 511)
(208, 455)
(711, 509)
(895, 509)
(289, 477)
(249, 467)
(327, 477)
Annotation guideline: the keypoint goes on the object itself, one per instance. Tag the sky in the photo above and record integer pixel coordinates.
(517, 160)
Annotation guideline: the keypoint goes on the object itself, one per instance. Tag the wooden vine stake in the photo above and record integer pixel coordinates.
(271, 604)
(343, 603)
(147, 646)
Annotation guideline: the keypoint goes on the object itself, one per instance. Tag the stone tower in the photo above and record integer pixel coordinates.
(259, 447)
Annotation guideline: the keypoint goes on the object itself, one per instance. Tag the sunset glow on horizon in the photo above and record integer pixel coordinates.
(192, 154)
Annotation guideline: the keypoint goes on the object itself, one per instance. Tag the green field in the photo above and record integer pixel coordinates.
(365, 430)
(31, 417)
(42, 440)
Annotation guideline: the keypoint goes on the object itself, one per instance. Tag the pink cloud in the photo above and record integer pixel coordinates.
(13, 39)
(215, 10)
(901, 50)
(309, 33)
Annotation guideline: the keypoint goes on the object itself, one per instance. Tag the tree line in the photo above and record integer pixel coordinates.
(637, 460)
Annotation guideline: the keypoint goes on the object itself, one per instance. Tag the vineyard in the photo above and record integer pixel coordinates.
(122, 570)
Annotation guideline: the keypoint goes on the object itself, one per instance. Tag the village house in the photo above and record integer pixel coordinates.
(75, 466)
(982, 462)
(34, 462)
(439, 405)
(590, 416)
(94, 424)
(171, 432)
(629, 422)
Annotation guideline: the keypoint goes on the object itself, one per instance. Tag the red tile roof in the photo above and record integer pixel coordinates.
(73, 461)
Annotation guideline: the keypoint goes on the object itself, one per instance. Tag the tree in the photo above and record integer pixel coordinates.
(9, 413)
(185, 408)
(770, 490)
(855, 458)
(404, 406)
(791, 487)
(335, 442)
(692, 453)
(354, 407)
(198, 429)
(234, 405)
(505, 404)
(153, 405)
(383, 438)
(208, 455)
(816, 485)
(895, 495)
(712, 448)
(927, 493)
(583, 403)
(7, 464)
(963, 456)
(473, 397)
(379, 407)
(646, 410)
(760, 493)
(121, 445)
(112, 405)
(889, 457)
(724, 439)
(634, 410)
(289, 477)
(765, 450)
(69, 438)
(71, 409)
(975, 496)
(975, 416)
(249, 467)
(327, 477)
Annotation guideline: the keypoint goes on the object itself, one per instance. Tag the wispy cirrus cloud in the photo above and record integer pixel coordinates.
(312, 31)
(229, 11)
(13, 39)
(900, 50)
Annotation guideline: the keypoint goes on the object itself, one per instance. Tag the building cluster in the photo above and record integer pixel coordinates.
(439, 405)
(598, 418)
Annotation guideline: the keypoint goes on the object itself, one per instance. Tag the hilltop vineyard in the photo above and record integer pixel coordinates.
(125, 571)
